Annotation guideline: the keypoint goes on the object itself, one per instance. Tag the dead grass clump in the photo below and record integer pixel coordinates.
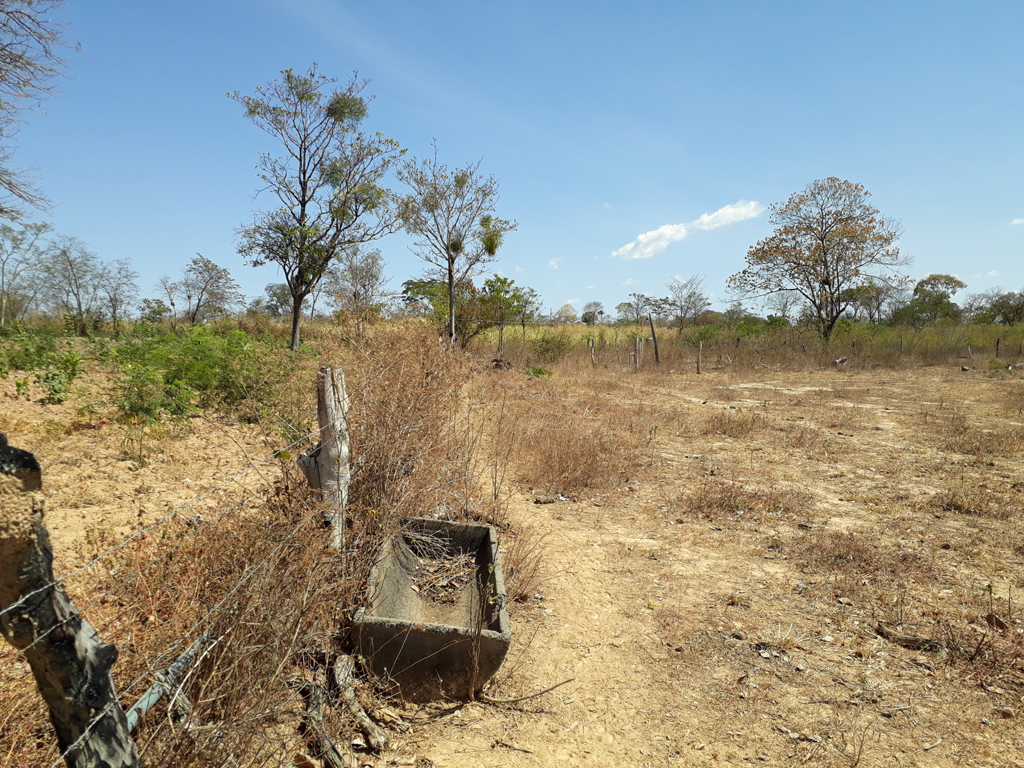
(572, 453)
(408, 425)
(522, 562)
(717, 499)
(858, 555)
(993, 656)
(799, 435)
(262, 589)
(961, 436)
(971, 500)
(735, 424)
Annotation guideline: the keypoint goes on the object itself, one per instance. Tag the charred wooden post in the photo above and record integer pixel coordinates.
(326, 466)
(70, 663)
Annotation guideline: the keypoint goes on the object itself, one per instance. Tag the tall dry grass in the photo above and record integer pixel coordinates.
(260, 579)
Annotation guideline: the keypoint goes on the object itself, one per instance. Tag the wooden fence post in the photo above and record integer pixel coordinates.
(654, 339)
(70, 663)
(326, 466)
(700, 353)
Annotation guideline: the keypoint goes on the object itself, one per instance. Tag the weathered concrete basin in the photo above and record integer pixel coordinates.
(428, 647)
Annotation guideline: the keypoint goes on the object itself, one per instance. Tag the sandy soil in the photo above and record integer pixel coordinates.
(723, 606)
(697, 641)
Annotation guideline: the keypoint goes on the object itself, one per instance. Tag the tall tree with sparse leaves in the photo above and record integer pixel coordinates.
(451, 215)
(828, 238)
(328, 184)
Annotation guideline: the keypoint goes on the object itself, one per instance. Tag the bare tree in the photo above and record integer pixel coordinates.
(72, 277)
(206, 291)
(21, 252)
(688, 299)
(169, 288)
(119, 287)
(784, 305)
(328, 184)
(636, 309)
(362, 280)
(29, 60)
(451, 215)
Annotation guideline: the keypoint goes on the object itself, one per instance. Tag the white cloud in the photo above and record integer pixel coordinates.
(657, 240)
(590, 287)
(554, 263)
(520, 269)
(1017, 221)
(572, 301)
(993, 273)
(607, 206)
(629, 281)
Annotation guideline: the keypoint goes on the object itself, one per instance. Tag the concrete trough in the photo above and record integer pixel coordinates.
(424, 640)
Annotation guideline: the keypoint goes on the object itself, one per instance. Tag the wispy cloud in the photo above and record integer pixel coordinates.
(657, 240)
(629, 281)
(572, 301)
(1017, 221)
(993, 273)
(520, 269)
(554, 263)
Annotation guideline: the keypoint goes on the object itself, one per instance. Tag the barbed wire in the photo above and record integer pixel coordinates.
(250, 572)
(173, 513)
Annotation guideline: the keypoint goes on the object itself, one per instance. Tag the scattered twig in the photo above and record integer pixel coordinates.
(489, 700)
(315, 693)
(343, 670)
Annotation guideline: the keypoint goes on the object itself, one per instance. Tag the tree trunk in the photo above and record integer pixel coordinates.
(70, 663)
(296, 319)
(326, 466)
(451, 302)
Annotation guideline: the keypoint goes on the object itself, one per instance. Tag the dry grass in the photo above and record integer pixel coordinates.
(738, 423)
(259, 576)
(717, 499)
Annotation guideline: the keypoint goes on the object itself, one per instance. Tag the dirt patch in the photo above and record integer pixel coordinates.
(738, 603)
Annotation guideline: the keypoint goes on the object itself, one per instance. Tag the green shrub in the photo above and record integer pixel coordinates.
(551, 346)
(32, 352)
(210, 367)
(143, 397)
(55, 386)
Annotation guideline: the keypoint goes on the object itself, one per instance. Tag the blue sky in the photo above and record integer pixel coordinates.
(602, 120)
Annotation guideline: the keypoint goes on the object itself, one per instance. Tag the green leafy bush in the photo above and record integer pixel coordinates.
(552, 346)
(55, 386)
(143, 396)
(208, 366)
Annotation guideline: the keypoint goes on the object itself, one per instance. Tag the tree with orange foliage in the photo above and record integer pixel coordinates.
(828, 239)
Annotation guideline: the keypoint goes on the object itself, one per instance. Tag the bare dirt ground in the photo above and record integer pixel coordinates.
(817, 568)
(800, 576)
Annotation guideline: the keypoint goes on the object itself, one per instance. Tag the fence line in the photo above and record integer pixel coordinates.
(251, 571)
(145, 529)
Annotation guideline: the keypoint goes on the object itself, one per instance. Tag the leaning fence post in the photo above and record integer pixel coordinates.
(326, 466)
(70, 663)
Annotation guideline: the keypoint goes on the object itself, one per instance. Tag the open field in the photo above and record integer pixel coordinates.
(815, 567)
(723, 603)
